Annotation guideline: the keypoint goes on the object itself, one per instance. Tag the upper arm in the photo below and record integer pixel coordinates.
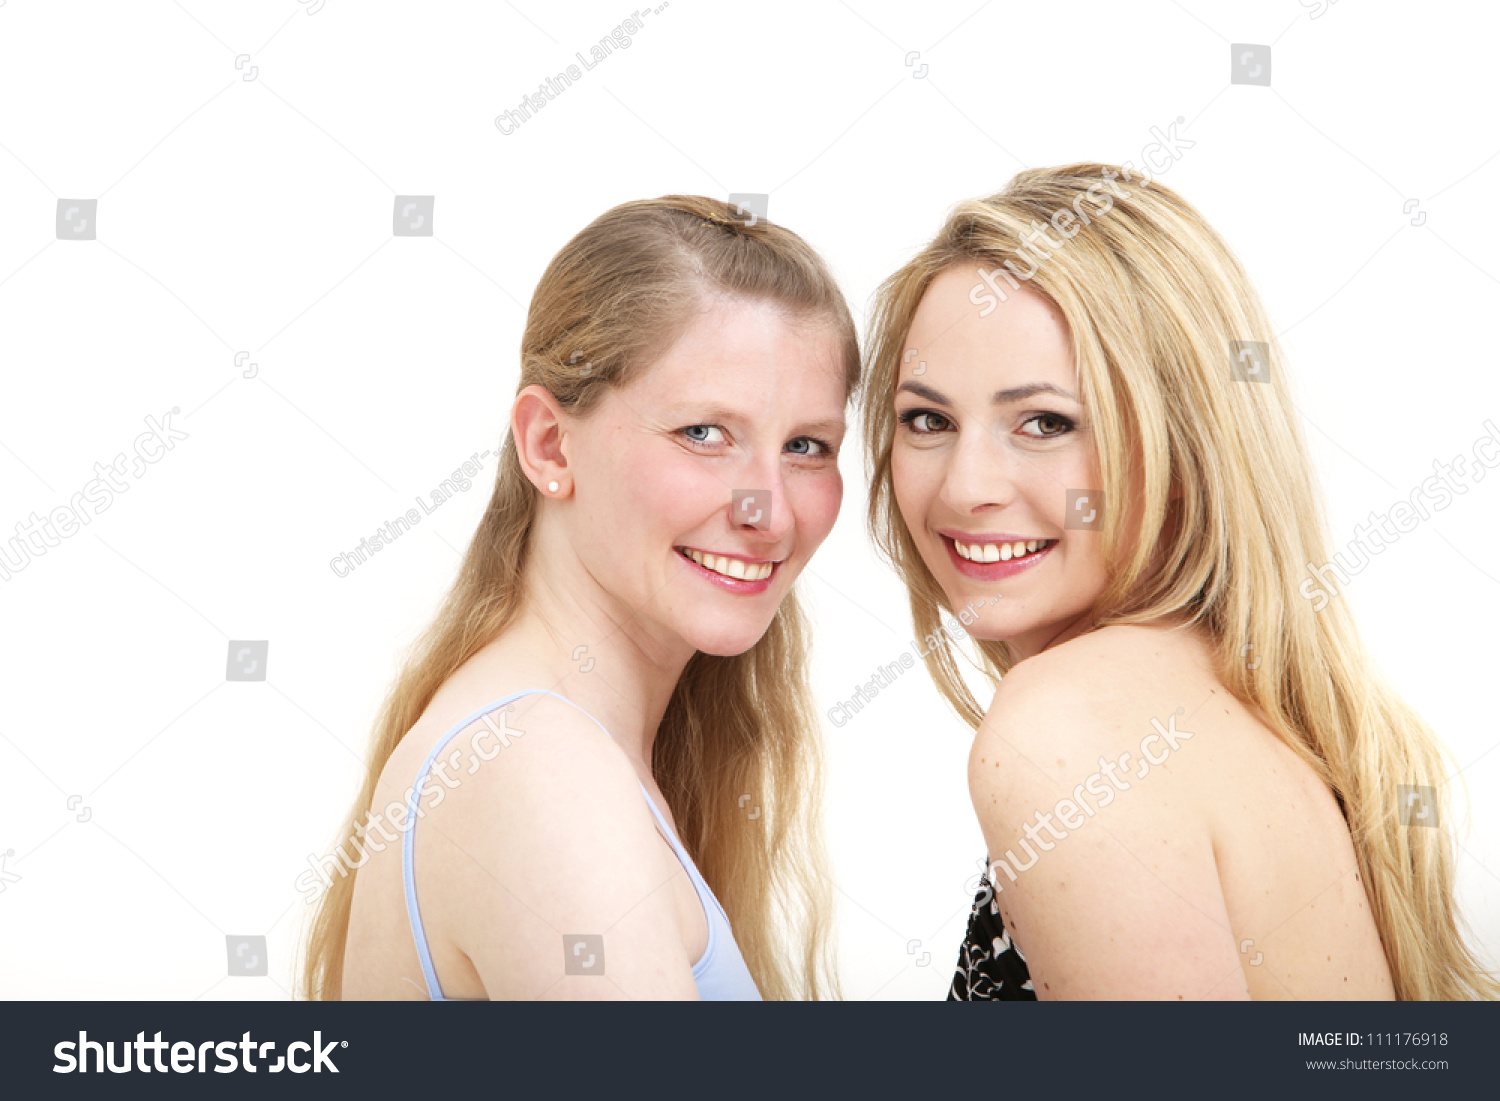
(557, 862)
(1102, 859)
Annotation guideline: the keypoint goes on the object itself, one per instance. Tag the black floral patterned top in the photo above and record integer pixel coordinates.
(990, 965)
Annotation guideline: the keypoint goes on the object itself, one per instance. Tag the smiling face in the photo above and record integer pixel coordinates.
(745, 400)
(991, 437)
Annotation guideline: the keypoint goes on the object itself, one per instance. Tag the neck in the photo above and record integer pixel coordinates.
(1054, 634)
(569, 624)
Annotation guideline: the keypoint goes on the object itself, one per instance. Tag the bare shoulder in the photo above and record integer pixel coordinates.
(1095, 816)
(1097, 694)
(518, 776)
(493, 748)
(1111, 660)
(535, 827)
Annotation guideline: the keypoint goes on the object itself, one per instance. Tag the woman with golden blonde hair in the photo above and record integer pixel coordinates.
(596, 776)
(1193, 781)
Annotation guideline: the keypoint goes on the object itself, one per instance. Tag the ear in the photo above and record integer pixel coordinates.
(538, 425)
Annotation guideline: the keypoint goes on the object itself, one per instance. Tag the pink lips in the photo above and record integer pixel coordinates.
(994, 571)
(733, 584)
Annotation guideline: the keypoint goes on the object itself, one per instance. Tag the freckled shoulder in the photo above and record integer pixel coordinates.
(1056, 713)
(1108, 857)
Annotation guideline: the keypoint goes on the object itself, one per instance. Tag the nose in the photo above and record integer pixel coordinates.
(761, 510)
(980, 474)
(761, 514)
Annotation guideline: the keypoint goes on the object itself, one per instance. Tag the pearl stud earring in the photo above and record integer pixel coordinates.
(551, 487)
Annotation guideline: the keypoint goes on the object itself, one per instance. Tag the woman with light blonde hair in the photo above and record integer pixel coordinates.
(1193, 781)
(597, 776)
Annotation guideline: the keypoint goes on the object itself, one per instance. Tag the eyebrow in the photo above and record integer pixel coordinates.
(999, 397)
(682, 410)
(827, 428)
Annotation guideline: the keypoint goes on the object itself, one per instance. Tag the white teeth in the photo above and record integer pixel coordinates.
(977, 552)
(732, 567)
(997, 552)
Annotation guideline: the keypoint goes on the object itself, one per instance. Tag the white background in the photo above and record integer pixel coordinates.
(256, 216)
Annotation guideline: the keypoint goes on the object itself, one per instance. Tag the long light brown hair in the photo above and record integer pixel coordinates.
(1153, 298)
(611, 301)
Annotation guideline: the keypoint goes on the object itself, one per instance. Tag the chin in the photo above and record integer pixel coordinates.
(992, 624)
(725, 640)
(990, 627)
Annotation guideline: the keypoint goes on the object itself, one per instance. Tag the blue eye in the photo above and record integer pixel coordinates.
(703, 433)
(803, 445)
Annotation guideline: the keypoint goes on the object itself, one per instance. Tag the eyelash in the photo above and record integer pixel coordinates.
(910, 415)
(827, 449)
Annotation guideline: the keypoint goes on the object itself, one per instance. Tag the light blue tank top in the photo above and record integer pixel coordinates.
(720, 975)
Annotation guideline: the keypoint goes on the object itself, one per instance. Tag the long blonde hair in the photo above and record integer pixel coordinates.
(612, 300)
(1153, 298)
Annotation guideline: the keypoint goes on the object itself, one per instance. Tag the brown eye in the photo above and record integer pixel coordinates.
(1049, 425)
(925, 422)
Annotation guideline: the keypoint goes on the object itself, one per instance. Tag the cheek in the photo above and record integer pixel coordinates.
(1082, 558)
(678, 493)
(815, 500)
(638, 489)
(1084, 575)
(915, 479)
(1047, 481)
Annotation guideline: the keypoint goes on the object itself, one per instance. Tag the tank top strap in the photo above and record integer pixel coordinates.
(718, 921)
(414, 796)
